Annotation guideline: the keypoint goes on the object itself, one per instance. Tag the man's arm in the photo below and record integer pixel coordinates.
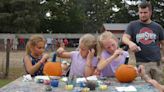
(126, 39)
(162, 45)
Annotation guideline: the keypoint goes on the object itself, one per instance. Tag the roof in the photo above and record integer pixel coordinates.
(115, 26)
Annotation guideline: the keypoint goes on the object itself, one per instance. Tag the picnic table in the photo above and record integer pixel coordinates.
(31, 86)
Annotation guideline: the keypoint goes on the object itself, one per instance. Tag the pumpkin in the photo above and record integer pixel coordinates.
(125, 73)
(52, 68)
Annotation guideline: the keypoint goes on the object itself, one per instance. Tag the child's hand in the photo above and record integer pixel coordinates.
(59, 51)
(96, 72)
(91, 54)
(46, 56)
(141, 70)
(117, 53)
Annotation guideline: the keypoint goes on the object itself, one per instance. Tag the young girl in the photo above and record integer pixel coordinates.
(34, 59)
(111, 56)
(83, 61)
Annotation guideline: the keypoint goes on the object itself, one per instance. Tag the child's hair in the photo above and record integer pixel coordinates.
(89, 41)
(33, 42)
(103, 36)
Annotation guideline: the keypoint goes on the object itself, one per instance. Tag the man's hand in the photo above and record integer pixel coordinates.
(133, 47)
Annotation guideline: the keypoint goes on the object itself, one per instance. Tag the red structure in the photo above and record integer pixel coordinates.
(116, 28)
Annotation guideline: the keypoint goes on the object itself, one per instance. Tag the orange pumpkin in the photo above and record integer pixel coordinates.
(125, 73)
(52, 69)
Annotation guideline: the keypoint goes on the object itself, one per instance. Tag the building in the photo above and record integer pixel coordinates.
(116, 28)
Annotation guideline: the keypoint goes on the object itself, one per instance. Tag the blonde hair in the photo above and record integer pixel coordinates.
(103, 36)
(88, 40)
(33, 42)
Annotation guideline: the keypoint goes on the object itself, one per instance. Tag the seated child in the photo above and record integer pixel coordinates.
(83, 61)
(111, 56)
(34, 59)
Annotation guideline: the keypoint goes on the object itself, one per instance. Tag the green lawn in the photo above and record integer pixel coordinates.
(4, 82)
(14, 73)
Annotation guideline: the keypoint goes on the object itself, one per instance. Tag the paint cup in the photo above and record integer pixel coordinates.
(69, 87)
(85, 89)
(54, 83)
(103, 87)
(91, 85)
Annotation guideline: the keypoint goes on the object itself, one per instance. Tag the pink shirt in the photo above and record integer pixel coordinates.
(109, 70)
(78, 64)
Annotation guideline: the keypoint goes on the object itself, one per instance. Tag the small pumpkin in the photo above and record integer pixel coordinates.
(125, 73)
(52, 68)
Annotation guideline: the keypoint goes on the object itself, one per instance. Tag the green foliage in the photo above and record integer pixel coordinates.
(68, 16)
(19, 16)
(158, 11)
(65, 16)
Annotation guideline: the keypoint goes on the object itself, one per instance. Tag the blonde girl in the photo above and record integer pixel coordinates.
(111, 56)
(34, 59)
(83, 60)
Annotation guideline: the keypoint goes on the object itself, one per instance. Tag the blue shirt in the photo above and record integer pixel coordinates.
(34, 61)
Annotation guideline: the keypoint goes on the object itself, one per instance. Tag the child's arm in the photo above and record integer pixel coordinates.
(62, 53)
(31, 69)
(144, 76)
(89, 69)
(104, 62)
(156, 85)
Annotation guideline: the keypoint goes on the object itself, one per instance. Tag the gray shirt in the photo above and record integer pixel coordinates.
(147, 36)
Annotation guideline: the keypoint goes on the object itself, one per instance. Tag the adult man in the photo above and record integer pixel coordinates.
(143, 37)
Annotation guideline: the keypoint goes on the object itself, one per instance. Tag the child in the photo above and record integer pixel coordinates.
(111, 56)
(83, 61)
(144, 76)
(34, 59)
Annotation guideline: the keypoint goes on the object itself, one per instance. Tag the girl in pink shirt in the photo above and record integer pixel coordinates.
(83, 61)
(111, 56)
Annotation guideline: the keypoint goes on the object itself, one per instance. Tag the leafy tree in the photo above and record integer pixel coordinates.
(19, 16)
(158, 11)
(69, 16)
(66, 16)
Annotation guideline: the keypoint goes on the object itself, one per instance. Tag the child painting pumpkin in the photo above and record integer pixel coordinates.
(111, 56)
(34, 58)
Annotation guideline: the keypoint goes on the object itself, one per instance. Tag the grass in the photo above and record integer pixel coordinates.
(14, 73)
(4, 82)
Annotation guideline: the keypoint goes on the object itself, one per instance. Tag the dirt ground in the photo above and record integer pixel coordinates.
(15, 64)
(16, 58)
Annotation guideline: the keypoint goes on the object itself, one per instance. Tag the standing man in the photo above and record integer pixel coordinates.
(143, 37)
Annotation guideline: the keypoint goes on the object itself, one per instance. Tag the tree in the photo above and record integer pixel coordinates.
(158, 11)
(69, 16)
(19, 16)
(66, 16)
